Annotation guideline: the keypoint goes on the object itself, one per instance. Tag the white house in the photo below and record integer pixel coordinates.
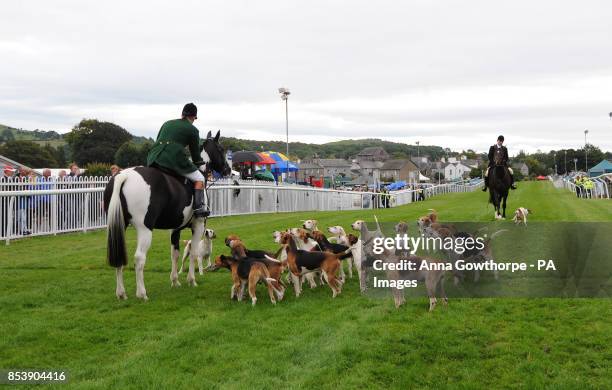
(455, 171)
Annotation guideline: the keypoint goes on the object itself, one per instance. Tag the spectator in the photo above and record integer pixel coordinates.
(42, 203)
(115, 170)
(8, 171)
(75, 171)
(62, 174)
(23, 202)
(578, 183)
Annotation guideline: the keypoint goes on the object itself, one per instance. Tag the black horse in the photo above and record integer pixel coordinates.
(151, 199)
(499, 185)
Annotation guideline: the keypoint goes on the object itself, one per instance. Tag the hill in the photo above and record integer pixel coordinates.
(339, 149)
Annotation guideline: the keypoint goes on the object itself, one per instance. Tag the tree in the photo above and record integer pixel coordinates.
(475, 172)
(28, 153)
(7, 135)
(95, 141)
(131, 154)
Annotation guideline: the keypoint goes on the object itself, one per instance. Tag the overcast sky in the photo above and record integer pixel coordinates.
(450, 73)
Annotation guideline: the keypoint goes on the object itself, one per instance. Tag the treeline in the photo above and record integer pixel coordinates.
(340, 149)
(543, 163)
(90, 141)
(93, 141)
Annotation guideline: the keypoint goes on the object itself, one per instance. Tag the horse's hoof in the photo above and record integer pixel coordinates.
(122, 296)
(175, 283)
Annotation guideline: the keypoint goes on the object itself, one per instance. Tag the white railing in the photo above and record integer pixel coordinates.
(39, 207)
(602, 186)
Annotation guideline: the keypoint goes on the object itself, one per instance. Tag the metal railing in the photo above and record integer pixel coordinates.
(32, 207)
(602, 186)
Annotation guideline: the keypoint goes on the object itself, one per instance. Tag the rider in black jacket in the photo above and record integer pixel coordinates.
(500, 148)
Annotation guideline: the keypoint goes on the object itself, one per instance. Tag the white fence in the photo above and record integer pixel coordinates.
(39, 207)
(602, 186)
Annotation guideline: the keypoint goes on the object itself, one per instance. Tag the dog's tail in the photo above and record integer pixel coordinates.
(497, 233)
(377, 224)
(272, 258)
(115, 237)
(345, 254)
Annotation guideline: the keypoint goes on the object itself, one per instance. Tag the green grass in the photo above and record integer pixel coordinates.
(59, 310)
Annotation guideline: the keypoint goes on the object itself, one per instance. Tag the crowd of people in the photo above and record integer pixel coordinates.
(20, 213)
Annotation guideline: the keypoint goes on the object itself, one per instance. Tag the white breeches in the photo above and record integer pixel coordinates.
(195, 175)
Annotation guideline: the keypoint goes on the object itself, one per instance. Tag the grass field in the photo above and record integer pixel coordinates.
(58, 310)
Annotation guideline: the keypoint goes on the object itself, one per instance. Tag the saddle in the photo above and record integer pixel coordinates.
(188, 184)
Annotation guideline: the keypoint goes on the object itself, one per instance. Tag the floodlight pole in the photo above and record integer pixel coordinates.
(285, 96)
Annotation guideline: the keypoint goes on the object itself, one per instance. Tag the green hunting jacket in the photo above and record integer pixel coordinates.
(169, 149)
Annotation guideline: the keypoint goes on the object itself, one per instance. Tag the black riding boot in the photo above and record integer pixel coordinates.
(199, 205)
(512, 182)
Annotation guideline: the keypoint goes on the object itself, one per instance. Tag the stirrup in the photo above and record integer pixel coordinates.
(201, 213)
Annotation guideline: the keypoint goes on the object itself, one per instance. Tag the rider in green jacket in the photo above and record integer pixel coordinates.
(169, 152)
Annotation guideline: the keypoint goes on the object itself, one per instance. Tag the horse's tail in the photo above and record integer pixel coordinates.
(115, 238)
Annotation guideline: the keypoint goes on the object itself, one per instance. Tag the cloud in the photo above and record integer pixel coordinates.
(441, 73)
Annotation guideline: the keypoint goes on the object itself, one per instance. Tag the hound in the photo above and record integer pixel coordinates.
(341, 238)
(366, 259)
(430, 227)
(310, 225)
(327, 246)
(247, 270)
(432, 276)
(305, 242)
(520, 215)
(204, 252)
(300, 261)
(275, 267)
(356, 254)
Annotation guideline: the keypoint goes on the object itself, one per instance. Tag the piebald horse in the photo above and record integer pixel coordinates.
(151, 199)
(499, 185)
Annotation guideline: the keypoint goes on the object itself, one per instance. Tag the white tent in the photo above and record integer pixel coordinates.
(423, 177)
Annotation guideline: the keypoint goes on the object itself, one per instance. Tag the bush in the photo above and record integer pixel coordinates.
(131, 154)
(97, 169)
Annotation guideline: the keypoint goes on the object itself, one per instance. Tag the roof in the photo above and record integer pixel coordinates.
(371, 151)
(456, 164)
(604, 165)
(470, 162)
(398, 164)
(370, 164)
(333, 162)
(309, 165)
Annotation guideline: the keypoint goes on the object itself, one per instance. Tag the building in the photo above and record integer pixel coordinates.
(309, 170)
(521, 167)
(333, 167)
(372, 153)
(371, 170)
(399, 169)
(456, 171)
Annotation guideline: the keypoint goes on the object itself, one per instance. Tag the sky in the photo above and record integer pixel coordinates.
(450, 73)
